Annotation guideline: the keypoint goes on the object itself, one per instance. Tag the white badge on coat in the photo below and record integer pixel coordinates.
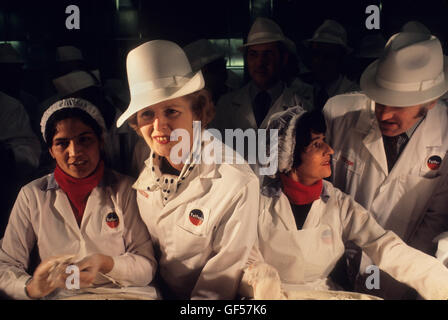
(112, 220)
(195, 219)
(434, 162)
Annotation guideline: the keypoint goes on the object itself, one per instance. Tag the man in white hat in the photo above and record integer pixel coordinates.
(391, 141)
(266, 51)
(328, 49)
(205, 56)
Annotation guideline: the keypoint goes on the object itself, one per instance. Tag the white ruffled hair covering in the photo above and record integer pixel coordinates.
(285, 122)
(78, 103)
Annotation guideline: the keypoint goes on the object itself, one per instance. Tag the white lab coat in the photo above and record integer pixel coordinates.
(403, 200)
(234, 110)
(43, 215)
(304, 258)
(200, 261)
(16, 132)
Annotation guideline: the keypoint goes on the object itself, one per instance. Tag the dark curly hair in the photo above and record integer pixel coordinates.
(310, 122)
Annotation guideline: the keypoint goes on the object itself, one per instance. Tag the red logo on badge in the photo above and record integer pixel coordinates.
(434, 162)
(112, 220)
(196, 217)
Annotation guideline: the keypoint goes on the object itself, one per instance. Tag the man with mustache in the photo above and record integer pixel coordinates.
(391, 140)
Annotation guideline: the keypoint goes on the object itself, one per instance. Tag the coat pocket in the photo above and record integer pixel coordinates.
(192, 235)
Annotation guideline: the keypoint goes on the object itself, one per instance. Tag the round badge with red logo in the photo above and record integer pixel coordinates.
(196, 217)
(434, 162)
(112, 220)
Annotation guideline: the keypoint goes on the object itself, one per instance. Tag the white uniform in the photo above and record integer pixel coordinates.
(43, 215)
(304, 258)
(203, 224)
(16, 132)
(403, 200)
(234, 110)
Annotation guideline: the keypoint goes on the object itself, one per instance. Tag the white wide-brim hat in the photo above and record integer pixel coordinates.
(158, 70)
(200, 53)
(75, 81)
(265, 30)
(331, 32)
(68, 53)
(411, 71)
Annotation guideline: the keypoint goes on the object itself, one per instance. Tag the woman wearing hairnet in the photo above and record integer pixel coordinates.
(200, 214)
(304, 221)
(83, 218)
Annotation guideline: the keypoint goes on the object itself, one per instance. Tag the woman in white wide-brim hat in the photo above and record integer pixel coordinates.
(83, 214)
(304, 221)
(200, 215)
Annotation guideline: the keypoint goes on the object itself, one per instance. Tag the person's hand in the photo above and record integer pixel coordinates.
(49, 275)
(91, 265)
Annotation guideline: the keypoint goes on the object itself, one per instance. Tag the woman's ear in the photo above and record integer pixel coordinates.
(208, 108)
(51, 153)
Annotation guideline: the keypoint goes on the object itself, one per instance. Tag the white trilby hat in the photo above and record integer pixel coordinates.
(332, 32)
(77, 103)
(415, 27)
(411, 71)
(200, 53)
(68, 53)
(8, 54)
(75, 81)
(158, 70)
(265, 30)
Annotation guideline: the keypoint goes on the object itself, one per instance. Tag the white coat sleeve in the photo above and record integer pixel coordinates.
(233, 241)
(137, 266)
(16, 132)
(404, 263)
(15, 249)
(435, 218)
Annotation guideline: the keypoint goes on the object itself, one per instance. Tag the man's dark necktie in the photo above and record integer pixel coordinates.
(262, 103)
(393, 147)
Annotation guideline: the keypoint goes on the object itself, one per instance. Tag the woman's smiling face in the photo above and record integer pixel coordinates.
(76, 148)
(156, 123)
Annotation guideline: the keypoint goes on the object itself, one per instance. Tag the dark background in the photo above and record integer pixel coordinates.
(110, 28)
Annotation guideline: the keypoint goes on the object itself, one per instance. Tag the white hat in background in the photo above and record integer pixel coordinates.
(415, 27)
(265, 30)
(9, 55)
(158, 70)
(68, 53)
(200, 53)
(411, 71)
(78, 103)
(75, 81)
(371, 46)
(331, 32)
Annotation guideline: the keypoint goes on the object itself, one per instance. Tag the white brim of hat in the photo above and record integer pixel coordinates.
(393, 98)
(147, 98)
